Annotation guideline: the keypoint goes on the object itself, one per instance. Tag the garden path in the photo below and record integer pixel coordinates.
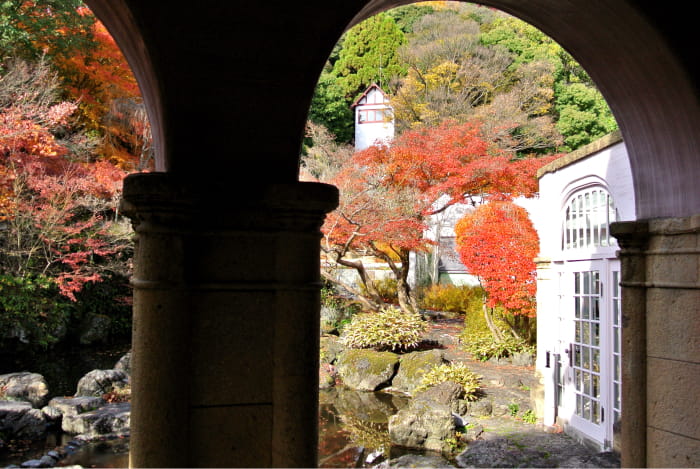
(507, 440)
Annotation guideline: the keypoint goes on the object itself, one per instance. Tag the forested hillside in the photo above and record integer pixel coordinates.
(448, 60)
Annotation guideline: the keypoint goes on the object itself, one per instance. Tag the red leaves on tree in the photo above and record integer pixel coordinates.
(53, 207)
(455, 160)
(498, 243)
(388, 193)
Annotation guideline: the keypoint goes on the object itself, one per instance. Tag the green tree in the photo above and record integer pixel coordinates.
(368, 55)
(581, 113)
(330, 109)
(56, 28)
(452, 75)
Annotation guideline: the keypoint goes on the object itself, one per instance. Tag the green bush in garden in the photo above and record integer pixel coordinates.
(387, 288)
(337, 310)
(389, 329)
(484, 346)
(452, 298)
(456, 372)
(112, 297)
(32, 310)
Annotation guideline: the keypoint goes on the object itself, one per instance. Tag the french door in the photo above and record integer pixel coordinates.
(588, 369)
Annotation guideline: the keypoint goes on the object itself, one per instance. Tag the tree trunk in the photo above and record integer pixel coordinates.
(365, 301)
(495, 331)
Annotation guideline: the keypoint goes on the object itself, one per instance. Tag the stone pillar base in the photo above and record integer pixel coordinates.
(225, 340)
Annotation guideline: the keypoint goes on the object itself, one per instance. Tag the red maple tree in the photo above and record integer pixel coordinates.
(389, 191)
(498, 243)
(53, 206)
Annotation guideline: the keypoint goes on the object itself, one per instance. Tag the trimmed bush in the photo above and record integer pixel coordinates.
(452, 298)
(484, 346)
(31, 310)
(387, 288)
(389, 329)
(455, 372)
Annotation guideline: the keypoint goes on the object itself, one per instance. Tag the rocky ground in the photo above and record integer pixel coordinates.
(505, 440)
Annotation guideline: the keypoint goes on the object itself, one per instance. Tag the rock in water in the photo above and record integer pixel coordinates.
(367, 370)
(25, 386)
(20, 420)
(99, 382)
(424, 424)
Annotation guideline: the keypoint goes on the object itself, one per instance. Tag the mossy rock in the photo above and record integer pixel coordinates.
(367, 370)
(413, 366)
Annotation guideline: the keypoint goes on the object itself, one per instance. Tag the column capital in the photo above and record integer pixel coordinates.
(632, 236)
(164, 198)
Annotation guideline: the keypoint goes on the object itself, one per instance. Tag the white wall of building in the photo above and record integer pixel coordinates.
(374, 121)
(603, 164)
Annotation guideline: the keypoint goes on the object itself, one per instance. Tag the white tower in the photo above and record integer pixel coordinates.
(374, 118)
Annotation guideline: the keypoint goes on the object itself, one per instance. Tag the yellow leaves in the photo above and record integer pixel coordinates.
(443, 75)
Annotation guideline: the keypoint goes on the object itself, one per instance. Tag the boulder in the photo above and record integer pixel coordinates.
(25, 386)
(412, 367)
(367, 370)
(331, 348)
(446, 393)
(424, 425)
(480, 408)
(522, 359)
(19, 419)
(61, 406)
(124, 364)
(111, 419)
(416, 460)
(99, 382)
(94, 329)
(502, 452)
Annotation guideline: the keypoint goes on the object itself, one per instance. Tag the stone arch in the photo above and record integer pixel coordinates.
(119, 21)
(196, 252)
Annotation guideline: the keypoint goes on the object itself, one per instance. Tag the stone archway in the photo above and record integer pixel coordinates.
(227, 86)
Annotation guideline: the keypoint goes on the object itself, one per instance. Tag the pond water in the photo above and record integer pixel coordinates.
(353, 425)
(62, 368)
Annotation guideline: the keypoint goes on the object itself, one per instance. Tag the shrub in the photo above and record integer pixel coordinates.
(112, 297)
(389, 329)
(387, 288)
(455, 372)
(32, 310)
(336, 310)
(484, 346)
(452, 298)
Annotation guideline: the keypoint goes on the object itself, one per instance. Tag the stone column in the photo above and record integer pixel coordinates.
(661, 342)
(632, 238)
(226, 302)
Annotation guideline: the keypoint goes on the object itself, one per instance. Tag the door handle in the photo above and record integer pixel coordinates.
(569, 352)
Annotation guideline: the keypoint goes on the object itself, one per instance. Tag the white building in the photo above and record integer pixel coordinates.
(578, 292)
(374, 118)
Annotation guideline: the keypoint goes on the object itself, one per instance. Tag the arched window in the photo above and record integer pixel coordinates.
(588, 215)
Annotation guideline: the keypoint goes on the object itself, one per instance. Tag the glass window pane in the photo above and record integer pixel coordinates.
(577, 282)
(595, 336)
(596, 387)
(595, 413)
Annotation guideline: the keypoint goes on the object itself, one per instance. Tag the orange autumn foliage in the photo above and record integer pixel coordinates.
(498, 243)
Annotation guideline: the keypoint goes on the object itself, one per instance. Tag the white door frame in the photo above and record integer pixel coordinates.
(587, 364)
